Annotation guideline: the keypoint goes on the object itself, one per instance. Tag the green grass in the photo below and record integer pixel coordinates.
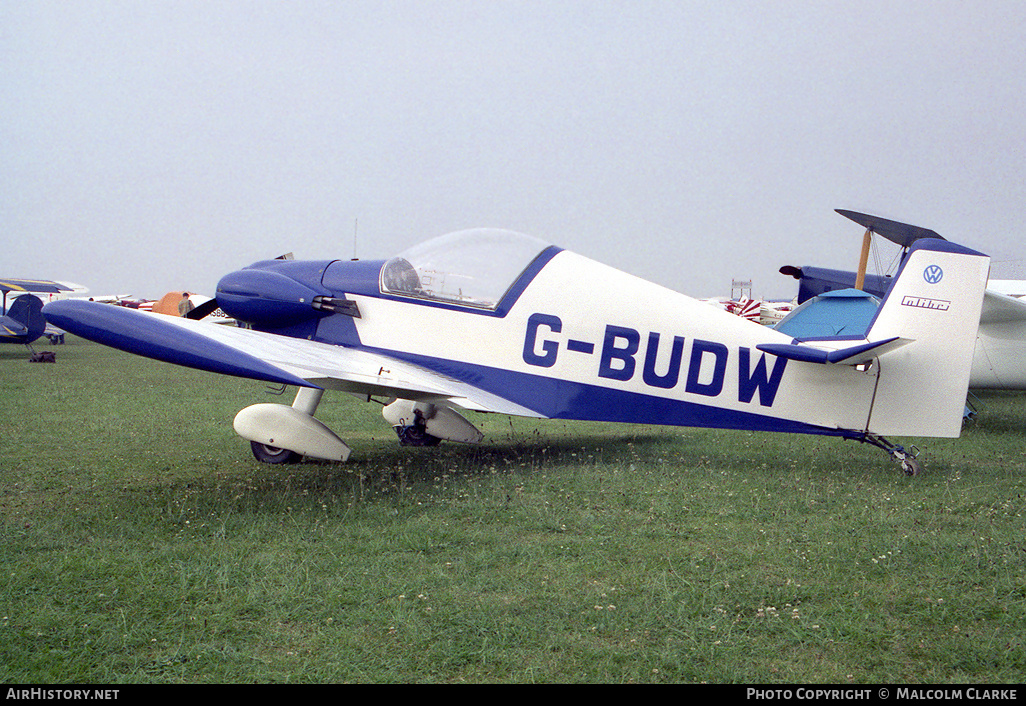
(142, 543)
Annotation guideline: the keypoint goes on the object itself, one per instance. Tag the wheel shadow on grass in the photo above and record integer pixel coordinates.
(380, 465)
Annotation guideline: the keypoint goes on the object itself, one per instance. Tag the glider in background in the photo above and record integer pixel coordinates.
(495, 321)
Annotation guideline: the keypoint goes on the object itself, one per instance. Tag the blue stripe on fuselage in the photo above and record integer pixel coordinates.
(563, 399)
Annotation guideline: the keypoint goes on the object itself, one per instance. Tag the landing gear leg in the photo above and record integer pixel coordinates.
(906, 457)
(307, 400)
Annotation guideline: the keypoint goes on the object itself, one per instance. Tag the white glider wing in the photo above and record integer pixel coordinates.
(1001, 308)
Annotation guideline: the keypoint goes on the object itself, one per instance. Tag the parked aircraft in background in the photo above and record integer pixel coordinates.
(190, 305)
(179, 303)
(766, 313)
(23, 322)
(46, 290)
(21, 318)
(742, 304)
(999, 360)
(495, 321)
(1009, 287)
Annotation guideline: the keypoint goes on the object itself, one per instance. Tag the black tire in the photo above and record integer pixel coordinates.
(415, 436)
(272, 454)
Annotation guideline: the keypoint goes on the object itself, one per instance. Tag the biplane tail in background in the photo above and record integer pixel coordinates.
(23, 299)
(813, 281)
(24, 321)
(999, 362)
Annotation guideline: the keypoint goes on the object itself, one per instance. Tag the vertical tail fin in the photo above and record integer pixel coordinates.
(27, 310)
(935, 303)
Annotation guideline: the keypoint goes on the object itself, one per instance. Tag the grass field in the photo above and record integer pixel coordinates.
(142, 543)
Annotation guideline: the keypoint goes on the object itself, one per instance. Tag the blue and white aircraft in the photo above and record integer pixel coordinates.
(496, 321)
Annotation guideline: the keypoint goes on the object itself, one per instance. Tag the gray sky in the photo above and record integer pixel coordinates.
(151, 146)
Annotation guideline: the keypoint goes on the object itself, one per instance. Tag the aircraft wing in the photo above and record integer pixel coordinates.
(901, 234)
(269, 357)
(1001, 308)
(16, 284)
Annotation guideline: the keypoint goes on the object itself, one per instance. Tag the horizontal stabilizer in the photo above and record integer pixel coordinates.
(853, 355)
(152, 336)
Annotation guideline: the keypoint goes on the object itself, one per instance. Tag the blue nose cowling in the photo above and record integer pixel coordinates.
(267, 299)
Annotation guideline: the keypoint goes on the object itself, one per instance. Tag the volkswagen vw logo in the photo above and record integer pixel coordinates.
(933, 274)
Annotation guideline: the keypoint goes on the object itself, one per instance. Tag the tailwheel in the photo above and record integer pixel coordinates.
(272, 454)
(906, 457)
(910, 465)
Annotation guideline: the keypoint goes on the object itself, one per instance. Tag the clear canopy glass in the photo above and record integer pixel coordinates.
(470, 267)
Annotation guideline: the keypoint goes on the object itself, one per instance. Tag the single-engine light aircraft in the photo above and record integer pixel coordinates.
(496, 321)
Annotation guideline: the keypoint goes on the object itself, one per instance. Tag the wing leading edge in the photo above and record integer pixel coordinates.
(257, 355)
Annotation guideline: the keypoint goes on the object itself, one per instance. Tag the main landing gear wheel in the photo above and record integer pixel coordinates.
(415, 435)
(272, 454)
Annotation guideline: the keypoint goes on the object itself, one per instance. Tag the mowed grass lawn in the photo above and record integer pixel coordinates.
(142, 543)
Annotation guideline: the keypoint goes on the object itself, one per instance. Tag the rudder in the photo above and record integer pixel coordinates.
(28, 311)
(935, 304)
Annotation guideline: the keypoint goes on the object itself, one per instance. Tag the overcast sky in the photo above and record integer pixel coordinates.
(150, 146)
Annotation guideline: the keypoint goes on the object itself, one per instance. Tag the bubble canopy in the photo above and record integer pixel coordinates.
(469, 267)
